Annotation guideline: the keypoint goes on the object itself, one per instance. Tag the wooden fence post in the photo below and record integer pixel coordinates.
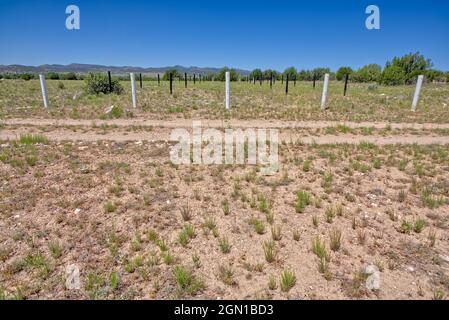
(346, 84)
(110, 81)
(171, 83)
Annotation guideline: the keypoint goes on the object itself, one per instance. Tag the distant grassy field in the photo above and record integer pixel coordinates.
(364, 102)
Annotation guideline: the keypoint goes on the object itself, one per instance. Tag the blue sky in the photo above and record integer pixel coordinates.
(244, 34)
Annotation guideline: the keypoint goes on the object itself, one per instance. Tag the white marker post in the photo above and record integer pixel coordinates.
(44, 90)
(324, 97)
(228, 91)
(417, 92)
(133, 89)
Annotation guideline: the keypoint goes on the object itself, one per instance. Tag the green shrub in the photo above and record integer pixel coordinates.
(98, 83)
(393, 76)
(342, 72)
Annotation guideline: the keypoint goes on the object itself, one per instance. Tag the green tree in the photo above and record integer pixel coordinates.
(412, 65)
(393, 76)
(342, 72)
(291, 72)
(257, 74)
(268, 73)
(26, 76)
(305, 75)
(318, 73)
(68, 76)
(52, 76)
(368, 73)
(435, 75)
(221, 76)
(96, 83)
(167, 73)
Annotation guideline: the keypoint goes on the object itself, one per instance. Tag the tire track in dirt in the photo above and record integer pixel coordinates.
(163, 134)
(185, 123)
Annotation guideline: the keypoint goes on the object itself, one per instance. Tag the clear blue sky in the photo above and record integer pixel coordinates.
(245, 34)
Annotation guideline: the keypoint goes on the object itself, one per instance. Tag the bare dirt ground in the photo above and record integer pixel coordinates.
(157, 130)
(106, 197)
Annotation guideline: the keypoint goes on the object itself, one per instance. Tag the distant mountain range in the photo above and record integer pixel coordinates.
(86, 68)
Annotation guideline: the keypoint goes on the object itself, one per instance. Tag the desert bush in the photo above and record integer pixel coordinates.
(393, 76)
(342, 72)
(96, 83)
(368, 73)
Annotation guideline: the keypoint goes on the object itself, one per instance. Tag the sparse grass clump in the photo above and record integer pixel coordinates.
(185, 213)
(288, 280)
(406, 226)
(302, 200)
(329, 215)
(319, 248)
(335, 239)
(186, 281)
(269, 251)
(55, 248)
(109, 207)
(30, 139)
(327, 181)
(225, 247)
(225, 207)
(419, 225)
(276, 233)
(226, 274)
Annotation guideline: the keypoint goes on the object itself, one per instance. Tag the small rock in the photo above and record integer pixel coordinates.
(411, 269)
(17, 216)
(373, 280)
(445, 258)
(109, 110)
(77, 211)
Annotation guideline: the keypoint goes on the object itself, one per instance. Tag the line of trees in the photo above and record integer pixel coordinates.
(398, 71)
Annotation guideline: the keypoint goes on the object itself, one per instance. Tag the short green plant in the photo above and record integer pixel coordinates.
(302, 200)
(335, 239)
(419, 225)
(288, 280)
(276, 233)
(225, 247)
(269, 251)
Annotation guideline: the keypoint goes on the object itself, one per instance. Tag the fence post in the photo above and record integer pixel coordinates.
(314, 79)
(417, 92)
(271, 80)
(171, 83)
(346, 84)
(140, 76)
(110, 81)
(228, 90)
(158, 80)
(44, 90)
(286, 85)
(185, 79)
(294, 81)
(133, 89)
(325, 86)
(194, 78)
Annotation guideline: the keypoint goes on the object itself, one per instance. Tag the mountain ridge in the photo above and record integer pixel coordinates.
(86, 68)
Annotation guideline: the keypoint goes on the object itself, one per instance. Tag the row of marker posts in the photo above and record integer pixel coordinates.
(419, 84)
